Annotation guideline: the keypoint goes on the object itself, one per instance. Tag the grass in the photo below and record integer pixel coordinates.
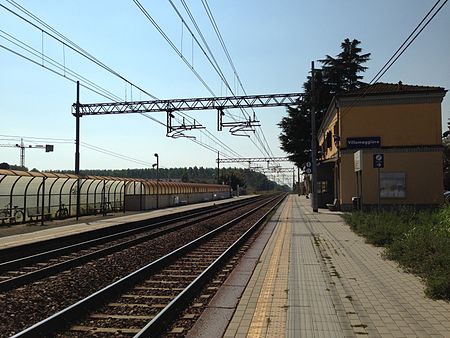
(419, 240)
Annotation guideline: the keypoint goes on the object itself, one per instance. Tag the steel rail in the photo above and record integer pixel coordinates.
(77, 310)
(14, 253)
(161, 321)
(76, 261)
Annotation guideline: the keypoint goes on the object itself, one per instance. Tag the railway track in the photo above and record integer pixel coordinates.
(28, 269)
(144, 303)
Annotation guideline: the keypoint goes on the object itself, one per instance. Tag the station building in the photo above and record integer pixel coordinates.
(382, 145)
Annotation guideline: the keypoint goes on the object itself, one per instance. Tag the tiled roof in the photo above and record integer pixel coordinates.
(393, 88)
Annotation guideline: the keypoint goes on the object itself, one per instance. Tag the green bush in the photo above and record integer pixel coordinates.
(418, 240)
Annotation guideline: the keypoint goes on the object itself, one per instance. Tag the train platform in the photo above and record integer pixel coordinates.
(21, 234)
(309, 275)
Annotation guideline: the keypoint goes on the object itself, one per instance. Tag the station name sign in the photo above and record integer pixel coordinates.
(363, 142)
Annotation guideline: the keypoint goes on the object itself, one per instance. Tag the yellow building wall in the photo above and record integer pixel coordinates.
(424, 177)
(397, 124)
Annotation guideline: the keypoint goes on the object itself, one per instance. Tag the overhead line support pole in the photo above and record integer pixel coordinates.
(77, 147)
(218, 168)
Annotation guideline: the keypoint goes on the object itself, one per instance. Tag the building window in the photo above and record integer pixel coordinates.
(392, 185)
(322, 187)
(329, 139)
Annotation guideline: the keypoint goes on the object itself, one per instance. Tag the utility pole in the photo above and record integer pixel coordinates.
(314, 201)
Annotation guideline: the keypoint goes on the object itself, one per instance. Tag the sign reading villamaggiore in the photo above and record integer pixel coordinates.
(363, 142)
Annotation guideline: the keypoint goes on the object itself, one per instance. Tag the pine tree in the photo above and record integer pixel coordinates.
(339, 74)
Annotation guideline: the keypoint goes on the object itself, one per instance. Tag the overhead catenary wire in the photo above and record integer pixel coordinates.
(220, 72)
(51, 70)
(161, 31)
(61, 69)
(67, 42)
(98, 92)
(210, 15)
(169, 41)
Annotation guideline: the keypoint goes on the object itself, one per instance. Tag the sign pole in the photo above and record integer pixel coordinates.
(379, 190)
(378, 163)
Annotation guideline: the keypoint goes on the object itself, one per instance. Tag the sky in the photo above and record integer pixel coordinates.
(271, 44)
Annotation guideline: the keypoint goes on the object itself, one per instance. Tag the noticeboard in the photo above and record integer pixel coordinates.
(358, 160)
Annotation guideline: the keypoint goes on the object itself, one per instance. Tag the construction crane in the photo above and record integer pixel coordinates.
(22, 146)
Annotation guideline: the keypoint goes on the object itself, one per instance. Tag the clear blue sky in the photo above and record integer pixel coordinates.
(272, 44)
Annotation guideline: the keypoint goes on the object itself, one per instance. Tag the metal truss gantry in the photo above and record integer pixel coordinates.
(237, 128)
(209, 103)
(276, 170)
(169, 106)
(252, 159)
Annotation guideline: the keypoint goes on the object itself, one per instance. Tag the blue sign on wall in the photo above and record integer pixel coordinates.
(363, 142)
(378, 161)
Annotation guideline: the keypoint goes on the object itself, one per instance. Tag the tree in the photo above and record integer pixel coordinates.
(339, 74)
(234, 178)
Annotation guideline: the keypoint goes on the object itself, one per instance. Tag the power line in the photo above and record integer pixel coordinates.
(210, 15)
(67, 42)
(408, 41)
(64, 71)
(114, 154)
(61, 70)
(161, 31)
(213, 58)
(50, 69)
(378, 75)
(169, 41)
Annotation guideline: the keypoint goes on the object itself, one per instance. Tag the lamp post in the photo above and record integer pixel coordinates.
(157, 180)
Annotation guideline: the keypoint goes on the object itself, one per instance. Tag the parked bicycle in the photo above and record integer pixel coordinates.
(62, 212)
(13, 215)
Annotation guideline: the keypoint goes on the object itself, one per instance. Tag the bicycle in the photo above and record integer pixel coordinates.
(62, 212)
(14, 214)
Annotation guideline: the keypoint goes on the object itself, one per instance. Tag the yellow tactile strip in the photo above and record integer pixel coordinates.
(262, 309)
(269, 319)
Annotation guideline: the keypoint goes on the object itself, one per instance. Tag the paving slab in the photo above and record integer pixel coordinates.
(337, 285)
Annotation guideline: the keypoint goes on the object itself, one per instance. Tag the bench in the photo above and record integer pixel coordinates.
(10, 219)
(333, 206)
(36, 213)
(117, 206)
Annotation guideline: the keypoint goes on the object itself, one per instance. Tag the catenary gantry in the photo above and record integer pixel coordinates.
(219, 103)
